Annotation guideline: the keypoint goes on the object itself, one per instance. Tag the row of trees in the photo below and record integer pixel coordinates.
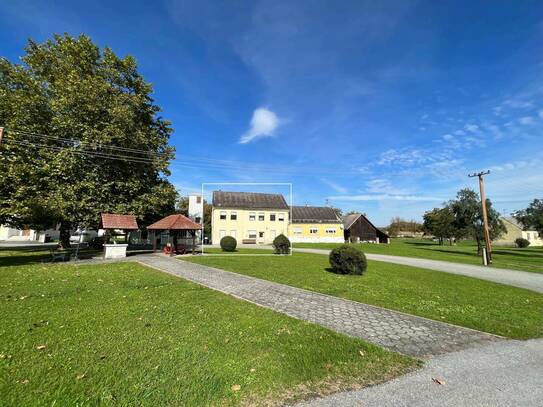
(68, 88)
(463, 218)
(399, 225)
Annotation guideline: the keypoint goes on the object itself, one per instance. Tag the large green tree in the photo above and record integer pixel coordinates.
(69, 88)
(532, 216)
(468, 216)
(440, 222)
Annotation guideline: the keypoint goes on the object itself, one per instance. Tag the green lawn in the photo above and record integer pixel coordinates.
(527, 259)
(122, 334)
(478, 304)
(241, 250)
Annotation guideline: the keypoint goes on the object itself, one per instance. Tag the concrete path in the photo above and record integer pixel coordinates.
(394, 330)
(499, 374)
(522, 279)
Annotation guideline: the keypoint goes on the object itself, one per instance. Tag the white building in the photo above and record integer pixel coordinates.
(27, 235)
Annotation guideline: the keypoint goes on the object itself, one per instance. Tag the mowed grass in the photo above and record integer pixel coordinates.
(478, 304)
(525, 259)
(241, 250)
(122, 334)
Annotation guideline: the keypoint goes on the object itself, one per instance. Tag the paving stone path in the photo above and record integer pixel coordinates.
(394, 330)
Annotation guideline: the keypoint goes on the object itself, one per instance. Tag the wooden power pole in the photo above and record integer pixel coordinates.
(486, 230)
(1, 134)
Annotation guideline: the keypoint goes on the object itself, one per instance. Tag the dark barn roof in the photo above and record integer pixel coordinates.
(314, 214)
(116, 221)
(248, 200)
(349, 220)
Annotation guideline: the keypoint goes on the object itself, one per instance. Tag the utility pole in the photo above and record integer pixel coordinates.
(1, 134)
(486, 231)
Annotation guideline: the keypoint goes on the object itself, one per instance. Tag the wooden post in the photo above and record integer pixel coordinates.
(485, 220)
(486, 231)
(1, 135)
(153, 234)
(193, 241)
(170, 239)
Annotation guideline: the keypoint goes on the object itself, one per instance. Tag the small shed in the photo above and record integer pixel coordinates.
(358, 228)
(179, 227)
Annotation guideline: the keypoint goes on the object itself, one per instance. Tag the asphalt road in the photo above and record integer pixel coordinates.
(499, 374)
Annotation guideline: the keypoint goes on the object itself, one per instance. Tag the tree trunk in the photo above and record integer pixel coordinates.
(64, 234)
(479, 247)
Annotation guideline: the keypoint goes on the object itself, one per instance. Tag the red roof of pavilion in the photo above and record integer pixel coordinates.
(175, 222)
(115, 221)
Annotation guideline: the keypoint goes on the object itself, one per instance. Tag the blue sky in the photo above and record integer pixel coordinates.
(382, 107)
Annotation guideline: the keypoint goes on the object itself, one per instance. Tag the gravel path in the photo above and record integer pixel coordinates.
(522, 279)
(394, 330)
(508, 373)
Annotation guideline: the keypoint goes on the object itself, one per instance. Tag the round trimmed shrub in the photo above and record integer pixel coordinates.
(228, 244)
(521, 242)
(346, 259)
(281, 244)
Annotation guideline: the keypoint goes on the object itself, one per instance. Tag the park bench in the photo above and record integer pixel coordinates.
(248, 241)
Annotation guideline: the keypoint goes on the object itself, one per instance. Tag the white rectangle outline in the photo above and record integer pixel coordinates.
(289, 184)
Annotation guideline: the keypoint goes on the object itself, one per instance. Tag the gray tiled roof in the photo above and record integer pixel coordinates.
(513, 221)
(348, 220)
(308, 214)
(248, 200)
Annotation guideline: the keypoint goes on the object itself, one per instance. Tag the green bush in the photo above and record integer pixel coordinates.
(228, 244)
(281, 244)
(346, 259)
(521, 242)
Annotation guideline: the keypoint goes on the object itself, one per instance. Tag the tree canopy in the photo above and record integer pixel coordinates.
(66, 98)
(532, 216)
(468, 215)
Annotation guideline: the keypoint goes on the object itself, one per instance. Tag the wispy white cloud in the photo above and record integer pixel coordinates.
(336, 187)
(526, 120)
(473, 128)
(384, 197)
(263, 124)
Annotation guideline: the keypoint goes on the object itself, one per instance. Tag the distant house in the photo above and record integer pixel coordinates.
(514, 231)
(315, 224)
(358, 228)
(249, 217)
(11, 234)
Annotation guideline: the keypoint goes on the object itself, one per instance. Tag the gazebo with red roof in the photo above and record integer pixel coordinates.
(175, 224)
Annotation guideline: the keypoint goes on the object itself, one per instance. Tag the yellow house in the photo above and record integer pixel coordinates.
(315, 224)
(249, 217)
(514, 231)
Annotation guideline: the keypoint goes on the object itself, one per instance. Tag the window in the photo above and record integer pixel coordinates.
(281, 217)
(252, 216)
(261, 216)
(272, 234)
(222, 234)
(272, 216)
(297, 231)
(233, 216)
(197, 219)
(313, 230)
(233, 233)
(331, 231)
(252, 234)
(198, 199)
(260, 234)
(223, 215)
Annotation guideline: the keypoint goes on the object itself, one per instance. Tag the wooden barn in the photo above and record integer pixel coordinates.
(357, 228)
